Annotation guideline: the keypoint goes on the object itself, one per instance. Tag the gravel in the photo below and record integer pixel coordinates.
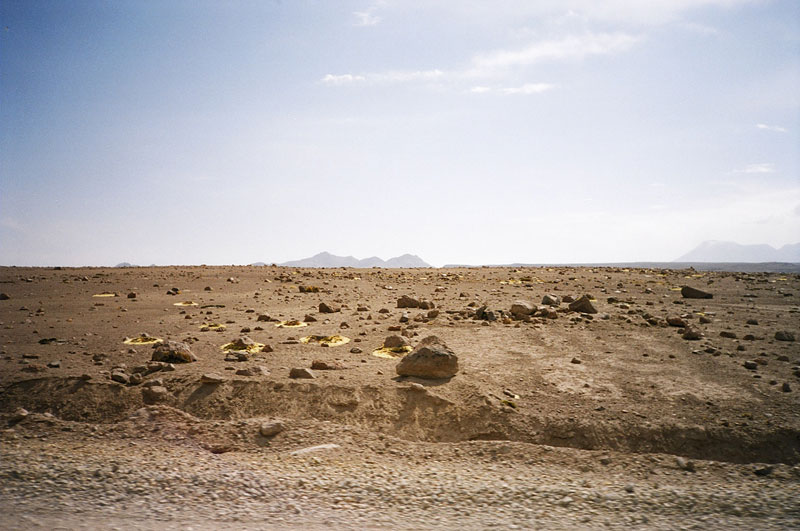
(79, 476)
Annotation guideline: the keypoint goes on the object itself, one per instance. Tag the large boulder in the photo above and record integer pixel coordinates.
(431, 359)
(583, 305)
(173, 352)
(689, 292)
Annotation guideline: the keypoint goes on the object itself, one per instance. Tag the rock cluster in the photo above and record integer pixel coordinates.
(409, 302)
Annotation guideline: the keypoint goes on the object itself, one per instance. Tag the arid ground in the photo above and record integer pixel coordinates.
(658, 411)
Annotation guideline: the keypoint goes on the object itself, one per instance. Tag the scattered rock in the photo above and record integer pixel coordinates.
(325, 308)
(173, 352)
(674, 320)
(314, 449)
(783, 335)
(583, 305)
(765, 470)
(430, 359)
(521, 309)
(154, 394)
(241, 343)
(395, 342)
(551, 300)
(485, 314)
(4, 297)
(691, 333)
(685, 464)
(728, 334)
(131, 295)
(18, 416)
(212, 378)
(252, 371)
(308, 289)
(752, 365)
(786, 388)
(407, 302)
(300, 372)
(120, 376)
(689, 292)
(271, 429)
(426, 305)
(322, 365)
(548, 313)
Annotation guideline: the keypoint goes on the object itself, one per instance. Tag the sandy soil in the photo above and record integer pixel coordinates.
(573, 420)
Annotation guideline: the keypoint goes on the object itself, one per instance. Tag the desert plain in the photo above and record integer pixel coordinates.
(637, 407)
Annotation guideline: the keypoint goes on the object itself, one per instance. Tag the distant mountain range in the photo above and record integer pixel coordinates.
(325, 259)
(717, 251)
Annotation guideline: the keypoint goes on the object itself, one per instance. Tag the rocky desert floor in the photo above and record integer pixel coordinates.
(657, 411)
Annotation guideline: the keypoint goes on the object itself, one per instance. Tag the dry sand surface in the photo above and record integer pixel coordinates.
(658, 411)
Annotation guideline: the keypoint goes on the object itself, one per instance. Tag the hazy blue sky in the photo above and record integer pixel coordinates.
(466, 131)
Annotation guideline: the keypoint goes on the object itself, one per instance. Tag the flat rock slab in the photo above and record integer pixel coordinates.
(314, 449)
(688, 292)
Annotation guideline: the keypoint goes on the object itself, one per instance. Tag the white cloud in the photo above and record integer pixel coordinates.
(390, 77)
(366, 18)
(776, 128)
(763, 167)
(527, 88)
(701, 29)
(10, 223)
(341, 79)
(649, 12)
(494, 64)
(569, 48)
(404, 76)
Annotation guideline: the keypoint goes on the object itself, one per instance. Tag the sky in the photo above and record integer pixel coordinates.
(463, 131)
